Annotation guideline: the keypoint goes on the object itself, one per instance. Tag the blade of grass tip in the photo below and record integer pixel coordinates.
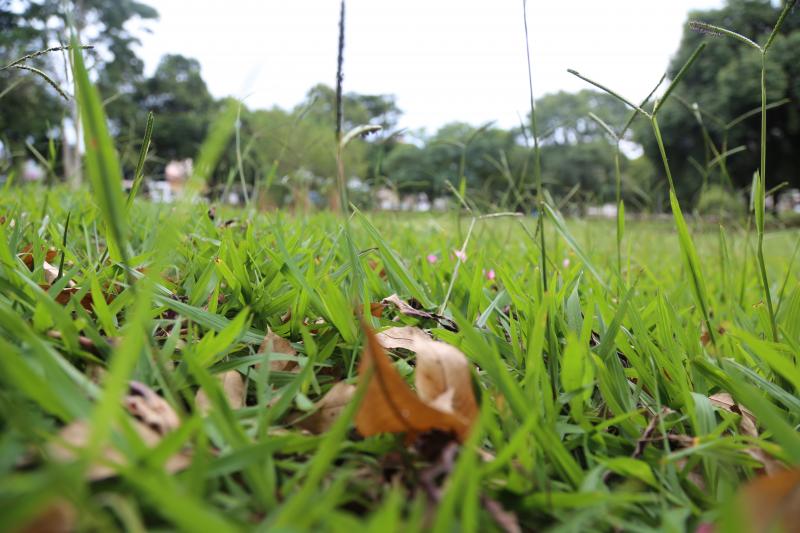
(635, 113)
(561, 228)
(239, 164)
(676, 80)
(755, 111)
(138, 175)
(537, 154)
(692, 263)
(219, 133)
(609, 91)
(600, 122)
(63, 247)
(101, 158)
(394, 266)
(786, 8)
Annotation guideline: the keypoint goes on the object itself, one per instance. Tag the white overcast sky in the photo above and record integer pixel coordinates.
(445, 60)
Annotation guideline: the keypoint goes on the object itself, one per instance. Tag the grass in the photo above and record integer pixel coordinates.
(563, 426)
(631, 375)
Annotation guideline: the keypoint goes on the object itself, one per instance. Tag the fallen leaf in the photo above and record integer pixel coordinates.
(75, 436)
(410, 310)
(773, 501)
(152, 416)
(443, 377)
(232, 386)
(150, 408)
(27, 255)
(376, 309)
(60, 516)
(749, 427)
(507, 520)
(328, 408)
(390, 406)
(65, 295)
(86, 343)
(276, 344)
(725, 401)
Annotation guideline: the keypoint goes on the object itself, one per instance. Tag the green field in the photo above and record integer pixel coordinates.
(189, 366)
(594, 395)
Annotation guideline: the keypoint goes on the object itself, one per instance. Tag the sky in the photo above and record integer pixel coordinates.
(445, 60)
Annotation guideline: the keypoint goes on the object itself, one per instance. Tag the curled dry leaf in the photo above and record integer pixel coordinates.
(410, 310)
(376, 309)
(60, 516)
(87, 344)
(232, 386)
(51, 274)
(76, 435)
(443, 377)
(150, 408)
(390, 406)
(27, 255)
(772, 503)
(328, 408)
(153, 418)
(725, 401)
(747, 426)
(276, 344)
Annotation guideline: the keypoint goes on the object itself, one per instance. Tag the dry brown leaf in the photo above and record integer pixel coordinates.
(747, 426)
(27, 255)
(60, 516)
(76, 435)
(443, 377)
(376, 309)
(725, 401)
(87, 344)
(410, 310)
(770, 501)
(390, 406)
(150, 408)
(65, 295)
(232, 386)
(328, 408)
(276, 344)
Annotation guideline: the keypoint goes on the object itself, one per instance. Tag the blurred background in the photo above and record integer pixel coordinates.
(447, 81)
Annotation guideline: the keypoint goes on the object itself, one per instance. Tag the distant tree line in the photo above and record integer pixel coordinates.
(286, 153)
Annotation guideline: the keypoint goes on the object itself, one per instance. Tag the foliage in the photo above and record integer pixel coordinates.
(725, 84)
(178, 96)
(720, 202)
(585, 447)
(33, 111)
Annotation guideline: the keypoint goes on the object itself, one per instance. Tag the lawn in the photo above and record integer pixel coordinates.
(603, 403)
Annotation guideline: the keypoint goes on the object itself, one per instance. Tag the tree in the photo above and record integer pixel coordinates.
(182, 104)
(36, 25)
(724, 82)
(563, 118)
(577, 153)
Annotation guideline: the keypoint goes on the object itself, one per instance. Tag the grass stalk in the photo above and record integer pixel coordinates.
(537, 158)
